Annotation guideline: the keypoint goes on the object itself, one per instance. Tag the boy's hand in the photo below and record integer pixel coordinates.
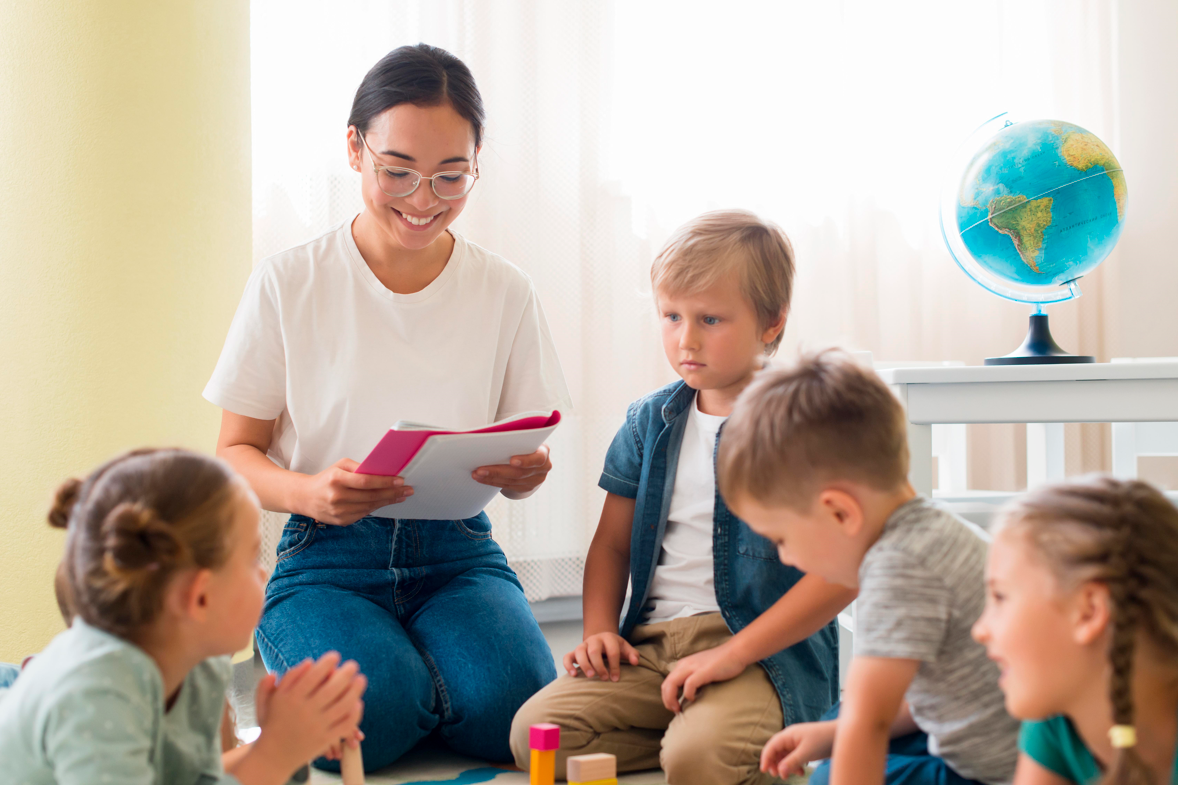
(706, 667)
(601, 655)
(788, 752)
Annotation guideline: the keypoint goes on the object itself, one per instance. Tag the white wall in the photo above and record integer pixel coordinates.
(1144, 316)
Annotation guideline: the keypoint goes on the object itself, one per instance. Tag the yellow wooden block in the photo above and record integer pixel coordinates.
(543, 769)
(591, 768)
(610, 781)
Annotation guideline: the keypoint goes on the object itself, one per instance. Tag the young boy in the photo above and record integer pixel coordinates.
(697, 573)
(815, 458)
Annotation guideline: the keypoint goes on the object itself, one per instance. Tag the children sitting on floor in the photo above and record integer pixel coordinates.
(815, 458)
(1082, 617)
(710, 603)
(162, 580)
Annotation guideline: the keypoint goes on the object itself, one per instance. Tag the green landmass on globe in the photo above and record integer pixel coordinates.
(1024, 220)
(1041, 203)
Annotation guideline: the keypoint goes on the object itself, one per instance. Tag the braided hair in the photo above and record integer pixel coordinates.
(1123, 534)
(132, 525)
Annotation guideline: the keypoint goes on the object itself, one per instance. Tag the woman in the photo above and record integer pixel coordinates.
(393, 316)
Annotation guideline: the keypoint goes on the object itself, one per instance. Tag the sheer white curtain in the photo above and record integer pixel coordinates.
(611, 123)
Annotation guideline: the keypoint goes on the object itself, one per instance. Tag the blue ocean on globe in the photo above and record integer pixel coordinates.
(1042, 203)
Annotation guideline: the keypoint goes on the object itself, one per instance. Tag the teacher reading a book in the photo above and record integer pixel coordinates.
(394, 316)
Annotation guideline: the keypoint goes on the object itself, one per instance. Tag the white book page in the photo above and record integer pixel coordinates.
(440, 473)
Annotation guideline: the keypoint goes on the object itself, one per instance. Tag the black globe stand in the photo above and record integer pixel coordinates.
(1039, 348)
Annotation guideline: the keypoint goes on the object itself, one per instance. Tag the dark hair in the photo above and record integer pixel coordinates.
(421, 75)
(133, 524)
(1124, 534)
(822, 419)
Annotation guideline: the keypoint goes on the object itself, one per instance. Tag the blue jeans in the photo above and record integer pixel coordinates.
(909, 763)
(8, 674)
(432, 613)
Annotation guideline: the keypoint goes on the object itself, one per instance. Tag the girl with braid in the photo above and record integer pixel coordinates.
(1082, 618)
(160, 583)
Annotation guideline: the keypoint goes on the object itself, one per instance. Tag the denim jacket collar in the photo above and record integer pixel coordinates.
(681, 398)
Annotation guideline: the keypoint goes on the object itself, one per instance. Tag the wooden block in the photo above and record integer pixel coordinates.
(543, 768)
(610, 781)
(351, 766)
(545, 736)
(590, 768)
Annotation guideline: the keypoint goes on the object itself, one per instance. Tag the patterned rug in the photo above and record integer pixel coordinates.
(437, 765)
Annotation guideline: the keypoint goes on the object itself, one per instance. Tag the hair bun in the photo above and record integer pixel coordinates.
(63, 503)
(135, 538)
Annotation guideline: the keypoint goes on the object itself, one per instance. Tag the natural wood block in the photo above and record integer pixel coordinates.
(589, 768)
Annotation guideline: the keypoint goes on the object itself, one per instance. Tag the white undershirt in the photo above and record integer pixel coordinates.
(320, 345)
(684, 582)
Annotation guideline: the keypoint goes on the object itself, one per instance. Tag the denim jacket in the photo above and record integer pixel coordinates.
(641, 465)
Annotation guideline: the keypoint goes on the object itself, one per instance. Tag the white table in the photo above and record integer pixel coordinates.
(1044, 396)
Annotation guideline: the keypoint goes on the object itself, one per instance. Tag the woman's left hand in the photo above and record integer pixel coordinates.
(521, 477)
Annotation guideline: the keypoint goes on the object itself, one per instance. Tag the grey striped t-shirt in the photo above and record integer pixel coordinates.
(921, 588)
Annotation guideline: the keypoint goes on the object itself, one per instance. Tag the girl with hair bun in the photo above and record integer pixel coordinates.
(161, 579)
(1082, 617)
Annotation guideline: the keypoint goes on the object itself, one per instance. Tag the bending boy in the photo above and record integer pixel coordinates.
(815, 457)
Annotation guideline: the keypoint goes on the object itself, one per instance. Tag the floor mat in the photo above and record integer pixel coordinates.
(435, 765)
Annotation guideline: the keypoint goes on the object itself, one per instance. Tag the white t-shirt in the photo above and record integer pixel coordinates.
(684, 582)
(321, 345)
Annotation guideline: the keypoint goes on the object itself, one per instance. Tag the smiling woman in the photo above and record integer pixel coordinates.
(392, 315)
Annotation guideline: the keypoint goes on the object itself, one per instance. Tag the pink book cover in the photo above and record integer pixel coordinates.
(397, 448)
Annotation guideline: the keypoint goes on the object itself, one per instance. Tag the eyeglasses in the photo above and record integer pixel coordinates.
(398, 181)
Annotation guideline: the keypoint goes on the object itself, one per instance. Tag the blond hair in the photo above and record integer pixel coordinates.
(1123, 534)
(132, 525)
(821, 420)
(723, 243)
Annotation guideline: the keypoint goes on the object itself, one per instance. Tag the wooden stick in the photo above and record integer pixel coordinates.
(351, 765)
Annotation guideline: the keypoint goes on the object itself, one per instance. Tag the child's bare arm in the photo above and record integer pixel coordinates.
(904, 724)
(607, 567)
(871, 706)
(805, 609)
(801, 612)
(607, 573)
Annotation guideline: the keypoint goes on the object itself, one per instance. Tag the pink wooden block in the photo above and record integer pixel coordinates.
(544, 737)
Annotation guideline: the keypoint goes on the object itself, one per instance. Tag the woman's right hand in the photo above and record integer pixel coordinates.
(311, 708)
(601, 655)
(339, 496)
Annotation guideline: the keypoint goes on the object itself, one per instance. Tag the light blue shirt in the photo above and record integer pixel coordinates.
(90, 710)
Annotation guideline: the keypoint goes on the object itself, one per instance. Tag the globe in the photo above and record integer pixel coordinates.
(1030, 208)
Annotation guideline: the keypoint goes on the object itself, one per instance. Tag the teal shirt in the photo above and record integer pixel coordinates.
(1056, 746)
(90, 709)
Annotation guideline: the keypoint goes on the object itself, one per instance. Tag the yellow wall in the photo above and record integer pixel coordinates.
(124, 246)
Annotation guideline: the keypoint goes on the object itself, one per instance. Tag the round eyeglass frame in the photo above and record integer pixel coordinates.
(376, 170)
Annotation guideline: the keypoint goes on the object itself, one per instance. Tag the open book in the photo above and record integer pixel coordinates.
(438, 463)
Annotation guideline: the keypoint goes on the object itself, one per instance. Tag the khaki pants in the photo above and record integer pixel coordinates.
(716, 740)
